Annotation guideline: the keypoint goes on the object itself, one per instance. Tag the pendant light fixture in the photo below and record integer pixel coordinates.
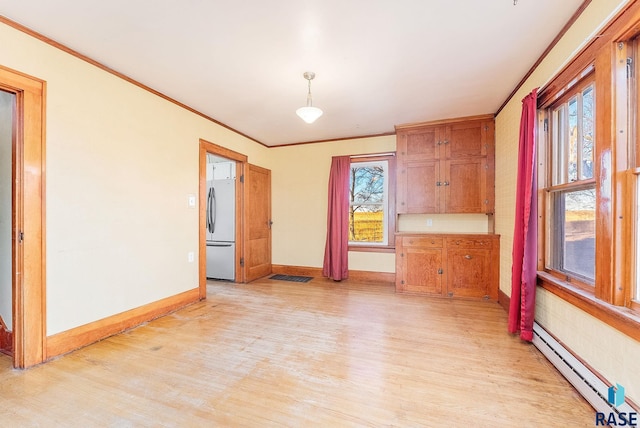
(309, 113)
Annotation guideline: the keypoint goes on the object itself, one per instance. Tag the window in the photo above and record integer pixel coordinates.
(371, 214)
(572, 193)
(589, 178)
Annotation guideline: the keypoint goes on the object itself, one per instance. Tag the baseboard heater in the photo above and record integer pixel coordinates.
(594, 390)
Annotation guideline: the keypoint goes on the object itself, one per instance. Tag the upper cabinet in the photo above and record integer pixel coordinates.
(446, 166)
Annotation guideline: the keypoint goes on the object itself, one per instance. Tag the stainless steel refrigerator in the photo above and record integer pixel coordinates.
(221, 214)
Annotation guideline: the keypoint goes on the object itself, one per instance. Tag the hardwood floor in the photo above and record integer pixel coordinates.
(275, 353)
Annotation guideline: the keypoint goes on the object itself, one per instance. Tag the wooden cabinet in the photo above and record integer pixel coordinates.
(460, 265)
(446, 166)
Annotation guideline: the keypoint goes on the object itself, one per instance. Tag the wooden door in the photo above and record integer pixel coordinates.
(423, 270)
(257, 258)
(469, 272)
(420, 192)
(419, 265)
(466, 189)
(419, 144)
(466, 139)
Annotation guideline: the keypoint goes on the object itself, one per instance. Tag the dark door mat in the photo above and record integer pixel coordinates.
(293, 278)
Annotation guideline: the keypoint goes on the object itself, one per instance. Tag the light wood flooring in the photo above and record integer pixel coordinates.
(326, 354)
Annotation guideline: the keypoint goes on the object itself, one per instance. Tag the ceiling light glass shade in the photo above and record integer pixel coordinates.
(309, 113)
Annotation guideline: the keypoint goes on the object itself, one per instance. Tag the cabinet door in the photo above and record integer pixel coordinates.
(466, 186)
(418, 192)
(419, 144)
(469, 272)
(467, 139)
(421, 270)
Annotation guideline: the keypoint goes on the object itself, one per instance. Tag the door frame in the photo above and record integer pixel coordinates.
(28, 217)
(241, 160)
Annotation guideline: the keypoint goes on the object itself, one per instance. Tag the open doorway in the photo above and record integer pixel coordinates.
(230, 173)
(221, 218)
(7, 121)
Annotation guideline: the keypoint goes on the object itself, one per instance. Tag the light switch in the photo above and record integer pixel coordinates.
(192, 201)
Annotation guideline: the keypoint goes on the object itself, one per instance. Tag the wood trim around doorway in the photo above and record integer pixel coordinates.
(241, 160)
(28, 218)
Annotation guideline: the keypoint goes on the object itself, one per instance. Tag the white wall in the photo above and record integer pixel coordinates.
(6, 123)
(120, 164)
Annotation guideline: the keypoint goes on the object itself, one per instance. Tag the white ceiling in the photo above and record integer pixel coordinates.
(378, 63)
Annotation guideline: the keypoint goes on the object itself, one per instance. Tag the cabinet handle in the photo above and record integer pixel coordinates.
(440, 271)
(468, 257)
(438, 183)
(445, 142)
(446, 183)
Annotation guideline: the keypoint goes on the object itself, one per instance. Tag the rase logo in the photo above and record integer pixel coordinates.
(616, 398)
(616, 395)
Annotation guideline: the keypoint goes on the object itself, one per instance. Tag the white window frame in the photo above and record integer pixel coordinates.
(385, 204)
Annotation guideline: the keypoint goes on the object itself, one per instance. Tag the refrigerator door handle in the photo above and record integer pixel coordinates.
(213, 210)
(209, 208)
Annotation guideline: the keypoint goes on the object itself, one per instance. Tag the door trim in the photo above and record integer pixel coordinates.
(28, 217)
(241, 160)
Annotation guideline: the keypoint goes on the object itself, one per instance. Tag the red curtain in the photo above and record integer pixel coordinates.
(525, 234)
(337, 246)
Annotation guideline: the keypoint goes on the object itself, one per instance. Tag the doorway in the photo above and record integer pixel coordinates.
(7, 121)
(221, 218)
(211, 153)
(25, 95)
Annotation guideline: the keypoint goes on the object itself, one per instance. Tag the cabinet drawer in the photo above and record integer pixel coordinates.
(469, 242)
(422, 241)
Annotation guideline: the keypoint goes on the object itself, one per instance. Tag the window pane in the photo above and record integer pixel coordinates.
(572, 167)
(367, 202)
(366, 224)
(587, 133)
(559, 121)
(576, 232)
(367, 184)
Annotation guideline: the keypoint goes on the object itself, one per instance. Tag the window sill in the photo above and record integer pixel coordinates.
(372, 248)
(623, 319)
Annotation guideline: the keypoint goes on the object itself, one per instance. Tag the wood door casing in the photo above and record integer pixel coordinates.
(28, 218)
(240, 159)
(257, 222)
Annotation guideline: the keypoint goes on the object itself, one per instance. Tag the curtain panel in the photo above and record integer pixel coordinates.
(336, 249)
(525, 234)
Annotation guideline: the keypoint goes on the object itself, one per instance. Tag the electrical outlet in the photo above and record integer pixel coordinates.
(191, 256)
(192, 201)
(429, 222)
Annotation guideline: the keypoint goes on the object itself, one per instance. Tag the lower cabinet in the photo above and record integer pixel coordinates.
(448, 265)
